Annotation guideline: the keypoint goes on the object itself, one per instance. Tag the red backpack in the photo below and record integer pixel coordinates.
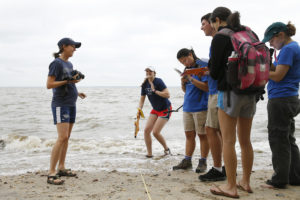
(248, 66)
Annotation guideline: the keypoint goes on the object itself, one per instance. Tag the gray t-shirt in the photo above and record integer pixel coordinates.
(65, 95)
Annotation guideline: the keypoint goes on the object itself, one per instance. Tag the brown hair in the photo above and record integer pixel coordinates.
(56, 55)
(291, 29)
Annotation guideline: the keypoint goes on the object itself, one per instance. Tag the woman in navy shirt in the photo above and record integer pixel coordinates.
(63, 106)
(158, 95)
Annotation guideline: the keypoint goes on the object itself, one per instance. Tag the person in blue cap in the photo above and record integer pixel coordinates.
(62, 82)
(283, 105)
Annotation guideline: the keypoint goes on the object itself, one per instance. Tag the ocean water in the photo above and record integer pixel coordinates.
(103, 136)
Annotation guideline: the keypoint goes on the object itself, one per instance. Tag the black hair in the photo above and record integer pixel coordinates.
(291, 29)
(186, 52)
(206, 17)
(221, 12)
(56, 55)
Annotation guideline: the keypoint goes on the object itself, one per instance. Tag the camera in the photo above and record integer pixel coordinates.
(74, 73)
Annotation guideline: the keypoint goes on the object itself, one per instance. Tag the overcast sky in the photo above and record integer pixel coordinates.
(119, 37)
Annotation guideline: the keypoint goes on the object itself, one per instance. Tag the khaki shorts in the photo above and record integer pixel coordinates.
(195, 121)
(212, 120)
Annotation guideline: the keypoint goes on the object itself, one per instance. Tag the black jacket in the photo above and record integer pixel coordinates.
(221, 49)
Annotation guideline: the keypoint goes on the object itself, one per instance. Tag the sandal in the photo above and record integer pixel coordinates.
(223, 193)
(167, 152)
(241, 187)
(52, 180)
(147, 156)
(66, 172)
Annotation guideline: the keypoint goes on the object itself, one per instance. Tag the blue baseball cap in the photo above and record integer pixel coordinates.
(274, 29)
(68, 41)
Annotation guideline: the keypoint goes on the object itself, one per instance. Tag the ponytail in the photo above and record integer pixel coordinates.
(291, 29)
(56, 55)
(233, 21)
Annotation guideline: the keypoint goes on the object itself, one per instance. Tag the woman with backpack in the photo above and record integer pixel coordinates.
(283, 105)
(194, 110)
(158, 95)
(63, 105)
(236, 111)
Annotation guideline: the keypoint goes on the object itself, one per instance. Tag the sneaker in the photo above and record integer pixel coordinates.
(202, 166)
(167, 152)
(184, 164)
(212, 175)
(223, 170)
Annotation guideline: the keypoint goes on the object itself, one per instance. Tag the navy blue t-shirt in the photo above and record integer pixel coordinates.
(158, 103)
(65, 95)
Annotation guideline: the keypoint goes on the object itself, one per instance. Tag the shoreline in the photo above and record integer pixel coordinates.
(175, 185)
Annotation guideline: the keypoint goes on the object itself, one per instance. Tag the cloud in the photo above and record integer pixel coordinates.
(119, 38)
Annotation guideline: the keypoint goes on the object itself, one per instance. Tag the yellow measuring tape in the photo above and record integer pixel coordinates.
(146, 187)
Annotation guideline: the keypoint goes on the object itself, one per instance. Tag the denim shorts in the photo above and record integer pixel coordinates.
(64, 114)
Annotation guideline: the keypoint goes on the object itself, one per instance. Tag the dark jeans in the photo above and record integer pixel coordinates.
(281, 128)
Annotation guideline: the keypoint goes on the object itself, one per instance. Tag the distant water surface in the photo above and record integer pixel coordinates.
(102, 138)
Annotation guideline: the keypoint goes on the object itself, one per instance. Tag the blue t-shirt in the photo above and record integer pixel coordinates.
(158, 103)
(65, 95)
(212, 84)
(289, 85)
(195, 100)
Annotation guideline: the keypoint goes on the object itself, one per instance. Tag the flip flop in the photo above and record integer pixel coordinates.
(222, 193)
(147, 156)
(66, 172)
(239, 186)
(51, 180)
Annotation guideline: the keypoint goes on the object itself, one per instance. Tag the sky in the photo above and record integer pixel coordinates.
(120, 38)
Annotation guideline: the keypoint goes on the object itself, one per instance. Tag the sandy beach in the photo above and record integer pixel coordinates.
(173, 185)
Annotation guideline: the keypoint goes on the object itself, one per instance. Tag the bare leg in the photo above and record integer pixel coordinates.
(62, 130)
(215, 144)
(244, 131)
(228, 129)
(204, 146)
(158, 126)
(62, 158)
(147, 133)
(190, 143)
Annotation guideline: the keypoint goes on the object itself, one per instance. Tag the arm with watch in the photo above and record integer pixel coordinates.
(199, 84)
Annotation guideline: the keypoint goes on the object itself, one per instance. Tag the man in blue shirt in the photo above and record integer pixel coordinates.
(212, 126)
